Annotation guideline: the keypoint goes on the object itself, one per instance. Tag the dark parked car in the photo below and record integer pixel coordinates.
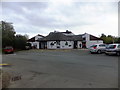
(8, 49)
(113, 49)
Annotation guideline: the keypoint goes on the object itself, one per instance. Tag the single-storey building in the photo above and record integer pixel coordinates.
(34, 41)
(89, 40)
(65, 40)
(57, 40)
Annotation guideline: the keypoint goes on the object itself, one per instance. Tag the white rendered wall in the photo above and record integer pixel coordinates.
(69, 46)
(35, 44)
(38, 37)
(49, 46)
(62, 45)
(91, 42)
(78, 44)
(87, 37)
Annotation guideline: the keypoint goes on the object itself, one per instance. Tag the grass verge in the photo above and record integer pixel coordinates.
(5, 79)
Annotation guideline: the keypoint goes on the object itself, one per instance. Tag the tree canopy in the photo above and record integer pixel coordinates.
(110, 39)
(20, 41)
(8, 34)
(9, 38)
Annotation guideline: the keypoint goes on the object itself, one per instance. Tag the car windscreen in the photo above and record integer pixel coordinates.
(111, 46)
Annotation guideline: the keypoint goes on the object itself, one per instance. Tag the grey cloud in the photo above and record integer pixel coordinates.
(33, 17)
(37, 16)
(17, 6)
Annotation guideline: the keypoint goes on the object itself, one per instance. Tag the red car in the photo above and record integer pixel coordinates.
(8, 50)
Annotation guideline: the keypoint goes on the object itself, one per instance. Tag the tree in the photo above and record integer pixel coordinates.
(9, 38)
(8, 34)
(110, 39)
(117, 40)
(103, 37)
(20, 42)
(0, 35)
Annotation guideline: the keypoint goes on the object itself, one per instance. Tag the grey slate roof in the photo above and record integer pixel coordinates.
(67, 32)
(33, 38)
(54, 36)
(94, 38)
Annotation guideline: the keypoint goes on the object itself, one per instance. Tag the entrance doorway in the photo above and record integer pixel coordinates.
(75, 44)
(43, 45)
(83, 44)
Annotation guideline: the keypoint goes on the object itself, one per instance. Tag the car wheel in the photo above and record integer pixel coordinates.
(118, 53)
(99, 51)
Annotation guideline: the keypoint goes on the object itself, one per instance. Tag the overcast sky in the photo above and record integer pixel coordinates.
(34, 18)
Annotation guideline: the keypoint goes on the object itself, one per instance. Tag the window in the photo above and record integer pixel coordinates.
(111, 47)
(84, 38)
(58, 42)
(102, 45)
(52, 44)
(58, 46)
(80, 45)
(118, 46)
(66, 43)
